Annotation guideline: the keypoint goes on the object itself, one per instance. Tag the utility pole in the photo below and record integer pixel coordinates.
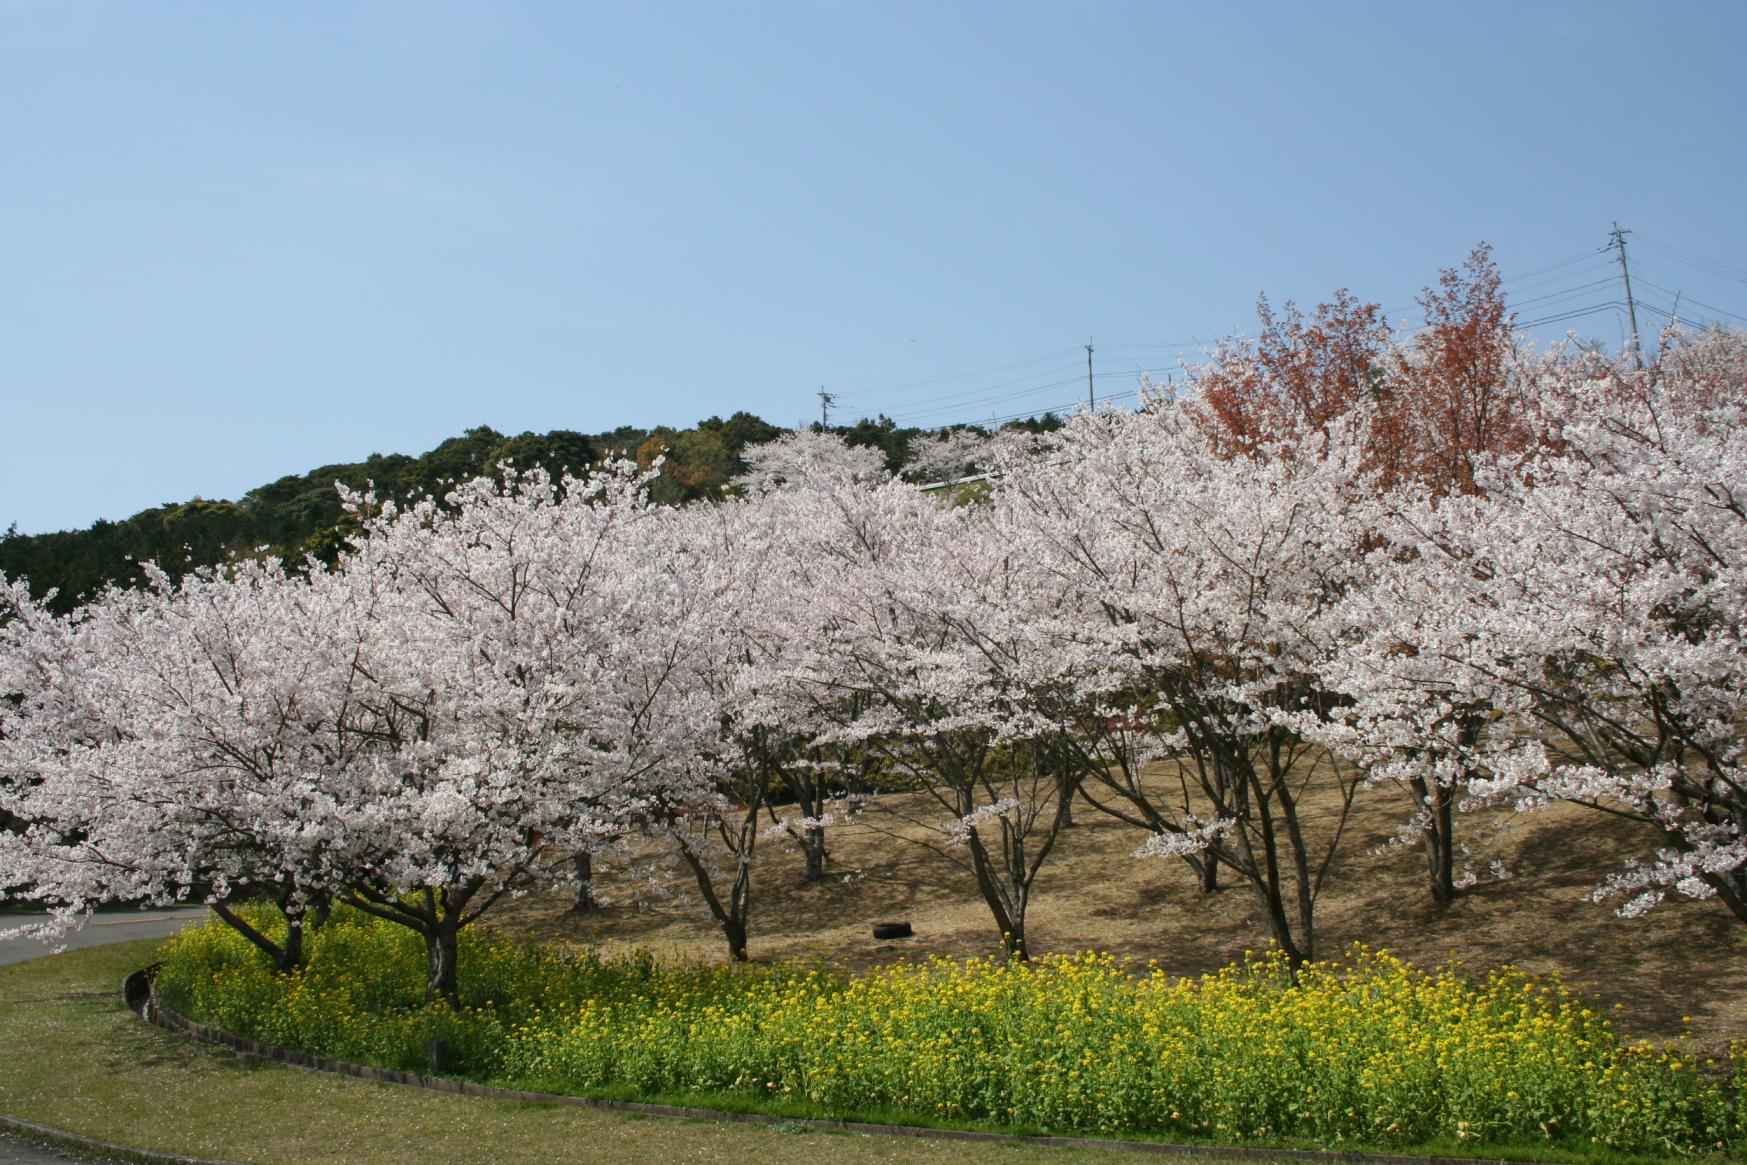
(1091, 397)
(826, 400)
(1619, 242)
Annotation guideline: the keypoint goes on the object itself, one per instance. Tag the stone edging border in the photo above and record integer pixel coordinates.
(142, 997)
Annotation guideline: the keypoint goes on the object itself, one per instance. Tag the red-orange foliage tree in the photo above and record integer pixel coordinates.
(1455, 392)
(1294, 379)
(1450, 395)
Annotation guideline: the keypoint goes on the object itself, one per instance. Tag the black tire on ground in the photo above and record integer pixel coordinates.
(884, 930)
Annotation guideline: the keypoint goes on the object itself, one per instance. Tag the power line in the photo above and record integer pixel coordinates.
(1529, 280)
(1554, 277)
(971, 398)
(1565, 294)
(1715, 266)
(1679, 315)
(1677, 311)
(966, 407)
(933, 414)
(1553, 266)
(1057, 354)
(1578, 313)
(1064, 407)
(1670, 316)
(1690, 299)
(1101, 375)
(985, 388)
(1716, 286)
(1595, 265)
(965, 404)
(1153, 345)
(937, 411)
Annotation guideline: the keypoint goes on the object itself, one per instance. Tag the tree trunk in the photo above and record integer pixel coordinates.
(1296, 948)
(738, 924)
(1206, 873)
(1439, 841)
(441, 951)
(292, 958)
(735, 931)
(1009, 917)
(1297, 943)
(1439, 802)
(438, 915)
(583, 865)
(733, 915)
(287, 956)
(813, 848)
(1730, 885)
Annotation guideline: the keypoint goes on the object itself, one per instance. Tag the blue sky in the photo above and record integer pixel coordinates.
(239, 241)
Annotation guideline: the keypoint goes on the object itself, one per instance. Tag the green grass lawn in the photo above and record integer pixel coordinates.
(73, 1057)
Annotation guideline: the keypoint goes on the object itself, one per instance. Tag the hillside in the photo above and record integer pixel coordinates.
(300, 514)
(1684, 958)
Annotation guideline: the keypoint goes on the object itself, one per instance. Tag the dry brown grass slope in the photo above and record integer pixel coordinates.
(1684, 959)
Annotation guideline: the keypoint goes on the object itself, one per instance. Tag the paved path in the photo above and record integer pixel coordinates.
(101, 928)
(20, 1153)
(120, 927)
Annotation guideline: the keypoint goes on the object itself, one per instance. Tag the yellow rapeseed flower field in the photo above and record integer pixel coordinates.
(1365, 1050)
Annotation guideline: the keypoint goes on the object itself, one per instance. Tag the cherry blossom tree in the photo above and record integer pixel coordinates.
(945, 456)
(725, 559)
(805, 457)
(1486, 575)
(183, 740)
(918, 654)
(1700, 374)
(525, 683)
(1405, 712)
(1599, 593)
(807, 490)
(1195, 586)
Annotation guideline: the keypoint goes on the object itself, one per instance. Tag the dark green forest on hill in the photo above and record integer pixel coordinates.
(300, 514)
